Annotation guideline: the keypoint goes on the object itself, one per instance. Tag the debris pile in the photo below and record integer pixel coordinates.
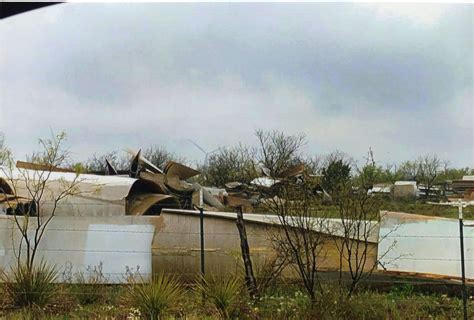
(11, 204)
(172, 182)
(464, 186)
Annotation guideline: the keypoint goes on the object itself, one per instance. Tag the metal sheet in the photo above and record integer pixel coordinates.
(101, 187)
(422, 244)
(81, 242)
(331, 227)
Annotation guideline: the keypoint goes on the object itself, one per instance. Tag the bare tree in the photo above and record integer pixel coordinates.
(231, 164)
(278, 151)
(356, 234)
(429, 167)
(300, 239)
(4, 152)
(97, 163)
(313, 165)
(44, 193)
(359, 217)
(159, 156)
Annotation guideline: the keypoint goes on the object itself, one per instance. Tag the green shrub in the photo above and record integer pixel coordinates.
(33, 286)
(222, 292)
(157, 297)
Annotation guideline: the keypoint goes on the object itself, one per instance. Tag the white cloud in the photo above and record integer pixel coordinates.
(426, 14)
(139, 75)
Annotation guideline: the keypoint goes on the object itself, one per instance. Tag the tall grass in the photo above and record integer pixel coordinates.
(157, 297)
(33, 286)
(222, 292)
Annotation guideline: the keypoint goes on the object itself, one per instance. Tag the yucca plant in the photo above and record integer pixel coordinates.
(222, 292)
(157, 297)
(31, 286)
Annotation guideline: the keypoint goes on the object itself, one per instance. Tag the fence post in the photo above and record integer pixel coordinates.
(463, 270)
(201, 230)
(244, 245)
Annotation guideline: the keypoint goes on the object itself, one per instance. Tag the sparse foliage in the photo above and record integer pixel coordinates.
(429, 167)
(230, 164)
(159, 156)
(97, 163)
(44, 194)
(279, 152)
(88, 287)
(372, 173)
(357, 231)
(359, 217)
(300, 243)
(4, 152)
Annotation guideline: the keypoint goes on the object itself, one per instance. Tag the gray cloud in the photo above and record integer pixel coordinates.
(349, 76)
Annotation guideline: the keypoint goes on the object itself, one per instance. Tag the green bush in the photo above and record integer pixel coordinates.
(222, 292)
(157, 297)
(33, 286)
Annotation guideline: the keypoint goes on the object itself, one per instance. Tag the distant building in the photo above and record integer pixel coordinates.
(404, 190)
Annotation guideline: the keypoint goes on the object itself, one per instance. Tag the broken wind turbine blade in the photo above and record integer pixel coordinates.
(40, 167)
(181, 171)
(109, 169)
(144, 161)
(134, 166)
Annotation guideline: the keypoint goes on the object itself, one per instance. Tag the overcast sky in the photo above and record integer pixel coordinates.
(397, 78)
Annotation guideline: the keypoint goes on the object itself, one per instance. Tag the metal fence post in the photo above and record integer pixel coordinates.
(463, 270)
(201, 231)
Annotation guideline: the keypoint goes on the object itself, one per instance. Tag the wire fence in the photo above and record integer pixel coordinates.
(186, 247)
(395, 290)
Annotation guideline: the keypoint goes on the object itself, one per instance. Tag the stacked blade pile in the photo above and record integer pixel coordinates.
(464, 186)
(172, 181)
